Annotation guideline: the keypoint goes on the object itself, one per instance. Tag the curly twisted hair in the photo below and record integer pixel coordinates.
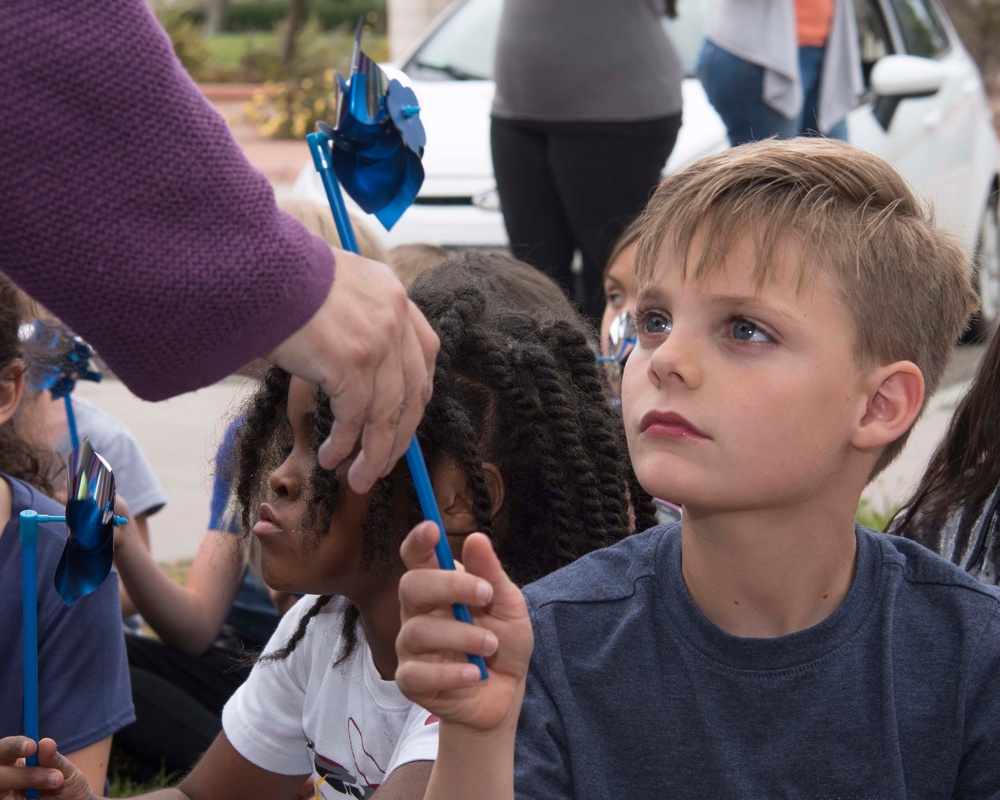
(523, 394)
(18, 458)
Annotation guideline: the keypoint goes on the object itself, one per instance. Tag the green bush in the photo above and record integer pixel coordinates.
(264, 15)
(187, 40)
(290, 103)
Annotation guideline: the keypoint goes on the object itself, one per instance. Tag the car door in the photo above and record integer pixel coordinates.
(929, 139)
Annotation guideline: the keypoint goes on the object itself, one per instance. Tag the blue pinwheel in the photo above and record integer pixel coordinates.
(64, 359)
(84, 565)
(374, 149)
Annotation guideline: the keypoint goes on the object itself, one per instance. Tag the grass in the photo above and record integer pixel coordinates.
(226, 50)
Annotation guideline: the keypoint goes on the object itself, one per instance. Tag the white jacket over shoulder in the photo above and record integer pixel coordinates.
(763, 32)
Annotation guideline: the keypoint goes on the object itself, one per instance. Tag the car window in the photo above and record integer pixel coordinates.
(873, 35)
(464, 45)
(923, 33)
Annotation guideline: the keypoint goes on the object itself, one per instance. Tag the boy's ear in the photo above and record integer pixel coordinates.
(11, 389)
(454, 496)
(895, 396)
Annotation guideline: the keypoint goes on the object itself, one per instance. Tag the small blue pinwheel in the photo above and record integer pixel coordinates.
(374, 149)
(64, 359)
(84, 565)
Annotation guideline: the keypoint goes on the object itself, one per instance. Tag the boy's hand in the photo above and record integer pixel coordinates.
(433, 670)
(54, 776)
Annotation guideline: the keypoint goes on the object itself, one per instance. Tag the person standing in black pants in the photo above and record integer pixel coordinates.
(586, 113)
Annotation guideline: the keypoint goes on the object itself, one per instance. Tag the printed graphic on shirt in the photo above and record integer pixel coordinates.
(333, 780)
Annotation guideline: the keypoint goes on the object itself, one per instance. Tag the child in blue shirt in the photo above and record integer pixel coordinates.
(795, 307)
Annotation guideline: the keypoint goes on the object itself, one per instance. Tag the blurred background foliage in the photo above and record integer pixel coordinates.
(291, 48)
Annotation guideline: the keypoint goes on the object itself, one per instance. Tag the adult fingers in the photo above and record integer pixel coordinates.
(378, 436)
(349, 401)
(403, 386)
(419, 383)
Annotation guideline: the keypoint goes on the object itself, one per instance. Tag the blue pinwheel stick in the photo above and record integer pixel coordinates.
(84, 565)
(374, 149)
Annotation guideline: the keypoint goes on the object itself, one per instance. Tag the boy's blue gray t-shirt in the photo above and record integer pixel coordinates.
(633, 692)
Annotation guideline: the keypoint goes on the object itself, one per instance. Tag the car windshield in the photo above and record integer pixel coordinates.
(463, 46)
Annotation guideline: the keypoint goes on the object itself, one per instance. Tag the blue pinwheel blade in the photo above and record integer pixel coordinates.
(377, 141)
(86, 560)
(59, 358)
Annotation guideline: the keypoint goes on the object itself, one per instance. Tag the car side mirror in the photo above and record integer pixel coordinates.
(899, 77)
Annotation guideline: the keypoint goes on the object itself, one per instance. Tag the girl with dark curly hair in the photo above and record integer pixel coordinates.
(521, 443)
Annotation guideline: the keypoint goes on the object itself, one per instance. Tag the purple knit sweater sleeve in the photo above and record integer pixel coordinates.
(127, 208)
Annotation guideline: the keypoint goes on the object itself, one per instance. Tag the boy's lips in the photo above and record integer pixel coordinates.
(267, 525)
(669, 424)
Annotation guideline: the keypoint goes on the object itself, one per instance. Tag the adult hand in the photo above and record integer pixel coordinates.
(432, 670)
(373, 353)
(54, 775)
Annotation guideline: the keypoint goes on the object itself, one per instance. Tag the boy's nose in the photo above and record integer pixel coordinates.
(676, 360)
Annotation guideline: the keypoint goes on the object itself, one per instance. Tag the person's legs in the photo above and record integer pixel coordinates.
(178, 704)
(606, 173)
(735, 88)
(536, 224)
(811, 70)
(170, 732)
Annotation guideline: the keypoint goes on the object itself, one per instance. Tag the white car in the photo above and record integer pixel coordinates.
(925, 112)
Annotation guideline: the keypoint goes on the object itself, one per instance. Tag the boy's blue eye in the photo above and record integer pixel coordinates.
(655, 323)
(746, 331)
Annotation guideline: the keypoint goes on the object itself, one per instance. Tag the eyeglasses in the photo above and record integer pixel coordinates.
(620, 341)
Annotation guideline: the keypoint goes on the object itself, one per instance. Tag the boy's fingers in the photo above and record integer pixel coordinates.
(427, 634)
(479, 558)
(424, 590)
(422, 678)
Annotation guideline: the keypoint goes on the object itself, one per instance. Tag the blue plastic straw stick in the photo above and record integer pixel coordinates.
(71, 419)
(29, 614)
(318, 146)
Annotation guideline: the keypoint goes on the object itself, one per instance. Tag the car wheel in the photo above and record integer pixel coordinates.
(988, 272)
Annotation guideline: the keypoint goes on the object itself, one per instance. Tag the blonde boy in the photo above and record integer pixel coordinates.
(795, 308)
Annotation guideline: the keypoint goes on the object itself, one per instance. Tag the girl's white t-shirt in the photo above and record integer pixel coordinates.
(344, 724)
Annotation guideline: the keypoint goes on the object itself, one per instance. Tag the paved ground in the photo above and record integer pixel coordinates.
(179, 435)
